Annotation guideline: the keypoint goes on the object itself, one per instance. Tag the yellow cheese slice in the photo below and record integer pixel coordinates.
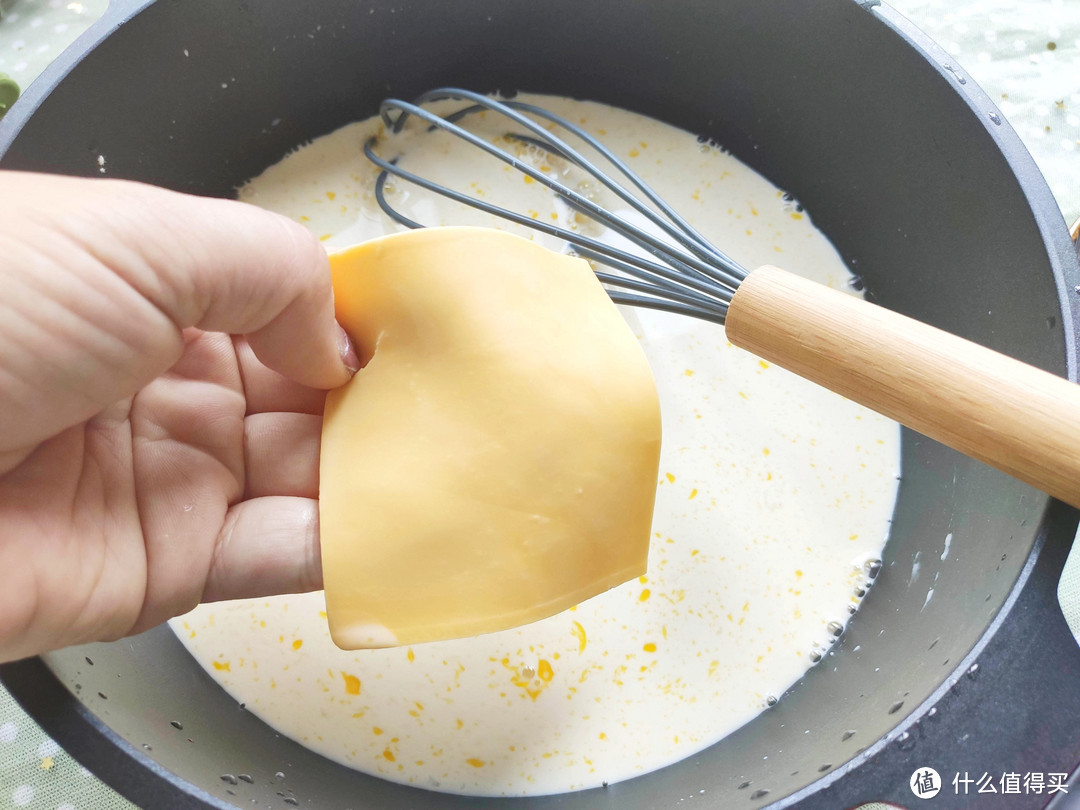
(495, 460)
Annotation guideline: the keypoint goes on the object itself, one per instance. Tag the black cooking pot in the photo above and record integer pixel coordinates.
(904, 164)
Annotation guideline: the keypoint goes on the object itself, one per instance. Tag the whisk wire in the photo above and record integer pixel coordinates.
(665, 305)
(632, 281)
(690, 277)
(716, 314)
(716, 265)
(574, 198)
(642, 267)
(683, 231)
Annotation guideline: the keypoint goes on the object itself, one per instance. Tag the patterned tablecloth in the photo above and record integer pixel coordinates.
(1024, 53)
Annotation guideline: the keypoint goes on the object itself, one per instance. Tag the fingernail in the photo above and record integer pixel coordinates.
(348, 353)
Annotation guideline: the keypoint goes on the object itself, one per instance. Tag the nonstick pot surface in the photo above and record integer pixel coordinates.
(935, 205)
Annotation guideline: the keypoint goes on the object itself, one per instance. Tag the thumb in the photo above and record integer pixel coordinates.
(225, 266)
(103, 276)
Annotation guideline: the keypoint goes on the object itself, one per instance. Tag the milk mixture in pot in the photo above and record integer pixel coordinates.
(773, 503)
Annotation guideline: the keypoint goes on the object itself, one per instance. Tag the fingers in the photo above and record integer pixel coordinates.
(267, 546)
(195, 455)
(229, 267)
(281, 454)
(281, 432)
(268, 391)
(74, 337)
(100, 279)
(198, 406)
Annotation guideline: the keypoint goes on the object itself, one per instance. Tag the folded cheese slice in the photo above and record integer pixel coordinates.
(495, 460)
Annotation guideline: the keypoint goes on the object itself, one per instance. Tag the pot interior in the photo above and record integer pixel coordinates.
(824, 99)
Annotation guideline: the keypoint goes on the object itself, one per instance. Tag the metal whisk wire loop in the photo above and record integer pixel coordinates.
(686, 274)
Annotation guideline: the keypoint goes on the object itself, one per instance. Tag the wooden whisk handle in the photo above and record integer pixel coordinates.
(1015, 417)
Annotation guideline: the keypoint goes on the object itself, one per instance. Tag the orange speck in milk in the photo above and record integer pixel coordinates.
(476, 763)
(533, 683)
(352, 684)
(649, 648)
(693, 494)
(670, 478)
(222, 666)
(376, 730)
(330, 196)
(388, 755)
(410, 655)
(296, 645)
(645, 594)
(578, 632)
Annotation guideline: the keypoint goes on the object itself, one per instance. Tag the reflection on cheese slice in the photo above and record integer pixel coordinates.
(495, 461)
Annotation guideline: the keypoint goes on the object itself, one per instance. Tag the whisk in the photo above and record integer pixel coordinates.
(1017, 418)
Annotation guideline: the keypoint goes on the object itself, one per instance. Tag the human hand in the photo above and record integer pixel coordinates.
(151, 459)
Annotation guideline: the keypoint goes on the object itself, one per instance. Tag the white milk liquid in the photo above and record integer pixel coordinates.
(773, 496)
